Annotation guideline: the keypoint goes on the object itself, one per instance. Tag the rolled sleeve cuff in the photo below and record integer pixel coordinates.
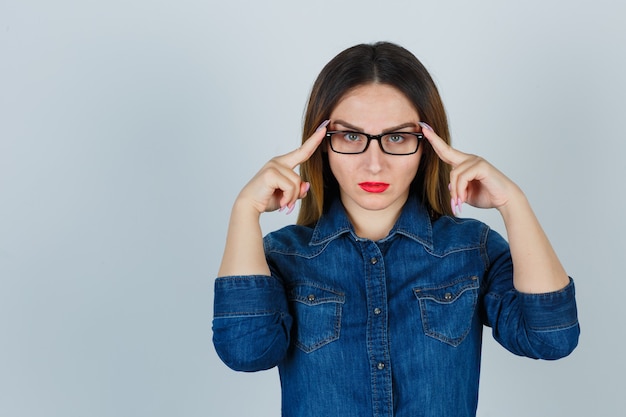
(550, 311)
(252, 295)
(250, 324)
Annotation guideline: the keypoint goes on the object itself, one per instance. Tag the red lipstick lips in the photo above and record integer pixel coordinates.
(374, 187)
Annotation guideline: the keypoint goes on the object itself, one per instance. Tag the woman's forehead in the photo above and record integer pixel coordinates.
(374, 106)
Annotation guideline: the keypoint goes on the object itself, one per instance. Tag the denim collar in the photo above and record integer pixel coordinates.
(414, 222)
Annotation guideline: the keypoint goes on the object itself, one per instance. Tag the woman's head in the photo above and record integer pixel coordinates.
(380, 63)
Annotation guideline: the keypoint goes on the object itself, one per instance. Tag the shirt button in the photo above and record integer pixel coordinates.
(377, 311)
(447, 296)
(311, 297)
(380, 366)
(373, 261)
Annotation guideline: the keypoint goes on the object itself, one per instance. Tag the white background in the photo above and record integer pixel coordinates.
(128, 127)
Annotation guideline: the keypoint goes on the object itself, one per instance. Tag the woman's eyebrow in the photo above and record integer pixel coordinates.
(402, 126)
(391, 129)
(347, 125)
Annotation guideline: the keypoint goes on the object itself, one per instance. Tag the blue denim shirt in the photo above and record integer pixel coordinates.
(387, 328)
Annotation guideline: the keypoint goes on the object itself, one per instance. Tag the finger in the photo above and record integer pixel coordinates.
(292, 189)
(303, 191)
(459, 179)
(273, 187)
(287, 192)
(446, 153)
(465, 179)
(304, 188)
(304, 152)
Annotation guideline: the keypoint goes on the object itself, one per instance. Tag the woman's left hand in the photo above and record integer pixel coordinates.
(473, 180)
(476, 182)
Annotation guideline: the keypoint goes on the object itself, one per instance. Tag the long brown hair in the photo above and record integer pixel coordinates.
(384, 63)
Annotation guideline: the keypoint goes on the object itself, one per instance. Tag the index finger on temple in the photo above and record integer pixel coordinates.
(446, 153)
(304, 152)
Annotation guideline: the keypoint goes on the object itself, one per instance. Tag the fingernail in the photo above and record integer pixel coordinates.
(281, 208)
(307, 187)
(291, 207)
(459, 204)
(323, 125)
(453, 204)
(449, 187)
(425, 126)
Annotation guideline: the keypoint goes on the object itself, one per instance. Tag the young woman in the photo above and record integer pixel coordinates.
(374, 303)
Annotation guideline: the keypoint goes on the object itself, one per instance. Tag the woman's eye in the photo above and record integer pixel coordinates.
(352, 137)
(395, 138)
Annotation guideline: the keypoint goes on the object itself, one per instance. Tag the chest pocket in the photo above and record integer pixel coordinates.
(447, 311)
(317, 315)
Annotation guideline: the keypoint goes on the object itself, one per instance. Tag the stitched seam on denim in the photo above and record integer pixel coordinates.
(315, 240)
(336, 331)
(549, 295)
(427, 244)
(495, 295)
(297, 284)
(453, 251)
(309, 255)
(441, 337)
(470, 282)
(553, 328)
(472, 246)
(235, 314)
(483, 247)
(473, 286)
(452, 342)
(243, 278)
(463, 220)
(404, 231)
(445, 302)
(330, 296)
(335, 298)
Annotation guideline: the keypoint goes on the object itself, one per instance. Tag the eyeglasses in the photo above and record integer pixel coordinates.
(395, 143)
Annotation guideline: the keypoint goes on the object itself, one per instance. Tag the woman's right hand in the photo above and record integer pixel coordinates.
(277, 186)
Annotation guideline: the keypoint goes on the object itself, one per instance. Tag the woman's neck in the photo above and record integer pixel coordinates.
(373, 224)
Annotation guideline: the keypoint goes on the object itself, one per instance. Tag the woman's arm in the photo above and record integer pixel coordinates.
(540, 326)
(537, 268)
(243, 252)
(275, 187)
(251, 321)
(473, 180)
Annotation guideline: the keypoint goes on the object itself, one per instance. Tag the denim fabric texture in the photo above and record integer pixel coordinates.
(387, 328)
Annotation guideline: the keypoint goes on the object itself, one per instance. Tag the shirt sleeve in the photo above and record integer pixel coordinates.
(540, 326)
(251, 322)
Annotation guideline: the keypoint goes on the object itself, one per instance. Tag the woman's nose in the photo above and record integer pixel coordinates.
(374, 155)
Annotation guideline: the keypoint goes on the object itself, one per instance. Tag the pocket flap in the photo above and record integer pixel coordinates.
(313, 295)
(448, 293)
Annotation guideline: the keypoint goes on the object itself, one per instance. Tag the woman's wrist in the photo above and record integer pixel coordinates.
(515, 204)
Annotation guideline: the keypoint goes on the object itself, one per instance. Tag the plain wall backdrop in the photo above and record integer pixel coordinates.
(127, 128)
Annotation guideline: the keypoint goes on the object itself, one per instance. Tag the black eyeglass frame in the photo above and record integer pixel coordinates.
(370, 138)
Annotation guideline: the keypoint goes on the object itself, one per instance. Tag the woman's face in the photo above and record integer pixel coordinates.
(374, 180)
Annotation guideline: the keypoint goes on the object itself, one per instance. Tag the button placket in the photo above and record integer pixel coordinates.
(377, 332)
